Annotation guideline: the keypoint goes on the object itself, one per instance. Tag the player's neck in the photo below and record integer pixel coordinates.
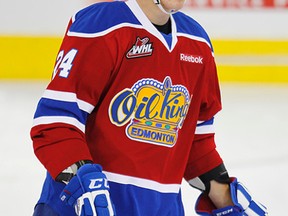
(166, 28)
(153, 13)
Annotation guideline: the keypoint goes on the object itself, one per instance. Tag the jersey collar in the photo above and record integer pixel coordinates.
(146, 23)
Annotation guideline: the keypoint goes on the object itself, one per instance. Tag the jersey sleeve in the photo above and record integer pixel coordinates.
(80, 78)
(203, 154)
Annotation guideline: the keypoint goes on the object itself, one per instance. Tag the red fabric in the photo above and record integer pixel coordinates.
(203, 157)
(59, 147)
(100, 73)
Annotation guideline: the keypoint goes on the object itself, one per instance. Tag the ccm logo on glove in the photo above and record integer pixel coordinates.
(98, 183)
(88, 192)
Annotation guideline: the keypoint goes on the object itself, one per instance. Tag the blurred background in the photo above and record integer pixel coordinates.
(250, 39)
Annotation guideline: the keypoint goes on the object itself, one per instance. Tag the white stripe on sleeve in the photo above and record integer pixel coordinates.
(68, 97)
(59, 119)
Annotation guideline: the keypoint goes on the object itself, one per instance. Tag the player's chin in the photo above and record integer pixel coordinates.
(176, 5)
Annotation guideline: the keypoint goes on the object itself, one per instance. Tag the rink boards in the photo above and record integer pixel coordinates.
(237, 60)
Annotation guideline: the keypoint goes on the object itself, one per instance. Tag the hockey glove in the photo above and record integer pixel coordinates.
(88, 192)
(244, 205)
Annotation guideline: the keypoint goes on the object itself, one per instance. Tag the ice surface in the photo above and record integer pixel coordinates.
(251, 135)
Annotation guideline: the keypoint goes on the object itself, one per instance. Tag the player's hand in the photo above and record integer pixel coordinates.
(244, 205)
(88, 192)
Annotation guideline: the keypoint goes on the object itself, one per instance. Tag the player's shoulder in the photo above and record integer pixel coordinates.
(101, 16)
(188, 26)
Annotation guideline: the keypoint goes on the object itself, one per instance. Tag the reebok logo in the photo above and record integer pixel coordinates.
(191, 58)
(141, 48)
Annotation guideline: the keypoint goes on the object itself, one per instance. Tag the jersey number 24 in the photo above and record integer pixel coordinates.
(64, 63)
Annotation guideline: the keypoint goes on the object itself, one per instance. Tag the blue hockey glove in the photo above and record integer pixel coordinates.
(244, 205)
(88, 192)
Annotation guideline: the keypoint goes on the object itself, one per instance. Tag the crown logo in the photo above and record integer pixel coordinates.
(156, 111)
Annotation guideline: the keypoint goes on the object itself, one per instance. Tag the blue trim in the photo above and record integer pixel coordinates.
(42, 209)
(92, 19)
(133, 200)
(168, 39)
(208, 122)
(187, 25)
(128, 200)
(50, 107)
(50, 195)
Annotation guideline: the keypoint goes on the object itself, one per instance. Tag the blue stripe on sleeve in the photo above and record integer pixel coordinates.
(49, 107)
(209, 122)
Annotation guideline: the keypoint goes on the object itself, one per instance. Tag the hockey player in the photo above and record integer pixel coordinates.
(129, 113)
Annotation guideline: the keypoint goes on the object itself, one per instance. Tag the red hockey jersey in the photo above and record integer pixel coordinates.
(136, 101)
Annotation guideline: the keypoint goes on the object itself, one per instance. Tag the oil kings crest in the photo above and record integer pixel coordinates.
(155, 111)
